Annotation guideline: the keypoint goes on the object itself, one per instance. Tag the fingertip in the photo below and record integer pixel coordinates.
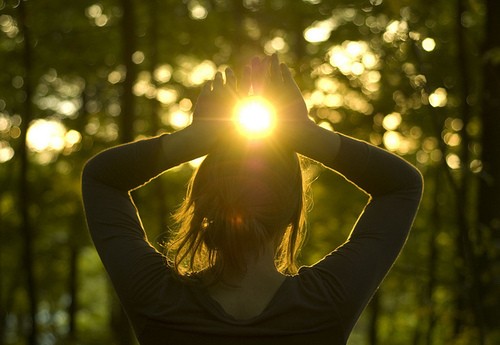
(229, 74)
(218, 81)
(230, 77)
(268, 60)
(285, 72)
(247, 73)
(275, 66)
(207, 86)
(255, 64)
(246, 81)
(247, 70)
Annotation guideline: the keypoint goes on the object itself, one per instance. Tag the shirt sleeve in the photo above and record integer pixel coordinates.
(353, 272)
(137, 270)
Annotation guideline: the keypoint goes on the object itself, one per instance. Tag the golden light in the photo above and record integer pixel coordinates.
(197, 11)
(201, 72)
(255, 117)
(179, 119)
(392, 140)
(438, 98)
(392, 121)
(6, 151)
(453, 161)
(428, 44)
(320, 31)
(166, 95)
(46, 135)
(163, 73)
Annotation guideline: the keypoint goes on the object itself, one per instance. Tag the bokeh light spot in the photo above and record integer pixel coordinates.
(46, 135)
(438, 98)
(428, 44)
(391, 121)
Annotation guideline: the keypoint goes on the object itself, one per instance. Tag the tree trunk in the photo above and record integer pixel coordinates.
(154, 10)
(120, 326)
(488, 230)
(128, 48)
(73, 291)
(468, 302)
(433, 258)
(24, 188)
(427, 318)
(375, 313)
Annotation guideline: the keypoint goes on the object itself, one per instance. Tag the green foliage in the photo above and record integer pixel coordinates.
(401, 74)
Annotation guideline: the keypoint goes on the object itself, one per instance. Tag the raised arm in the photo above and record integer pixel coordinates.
(136, 269)
(128, 166)
(374, 170)
(353, 271)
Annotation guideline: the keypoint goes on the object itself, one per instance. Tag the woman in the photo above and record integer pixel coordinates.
(231, 273)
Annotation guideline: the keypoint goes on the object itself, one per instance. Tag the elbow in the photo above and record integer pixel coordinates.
(89, 171)
(416, 182)
(418, 178)
(86, 180)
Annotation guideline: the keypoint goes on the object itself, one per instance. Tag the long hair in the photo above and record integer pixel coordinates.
(240, 198)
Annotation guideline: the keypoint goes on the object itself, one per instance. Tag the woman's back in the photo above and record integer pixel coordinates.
(254, 304)
(246, 296)
(326, 298)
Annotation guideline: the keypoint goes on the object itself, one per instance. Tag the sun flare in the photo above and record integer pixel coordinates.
(255, 117)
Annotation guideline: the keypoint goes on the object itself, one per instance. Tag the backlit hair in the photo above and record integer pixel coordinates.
(240, 198)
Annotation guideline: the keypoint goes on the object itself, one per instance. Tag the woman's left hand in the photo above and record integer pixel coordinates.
(212, 116)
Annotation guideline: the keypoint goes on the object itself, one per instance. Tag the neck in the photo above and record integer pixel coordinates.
(259, 267)
(246, 294)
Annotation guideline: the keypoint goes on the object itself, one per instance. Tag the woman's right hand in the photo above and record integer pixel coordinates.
(274, 81)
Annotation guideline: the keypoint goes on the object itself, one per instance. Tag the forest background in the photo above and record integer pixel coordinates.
(420, 78)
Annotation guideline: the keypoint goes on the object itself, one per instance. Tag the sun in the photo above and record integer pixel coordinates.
(255, 117)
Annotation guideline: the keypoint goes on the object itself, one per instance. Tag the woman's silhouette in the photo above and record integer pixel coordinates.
(230, 273)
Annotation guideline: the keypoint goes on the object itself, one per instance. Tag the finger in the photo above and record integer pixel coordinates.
(286, 74)
(206, 88)
(202, 98)
(255, 62)
(259, 73)
(230, 78)
(275, 69)
(218, 82)
(246, 81)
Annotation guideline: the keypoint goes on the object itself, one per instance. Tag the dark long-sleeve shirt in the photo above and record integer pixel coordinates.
(319, 305)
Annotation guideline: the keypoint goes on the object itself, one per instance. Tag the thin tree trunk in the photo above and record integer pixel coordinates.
(120, 325)
(128, 48)
(488, 229)
(3, 309)
(3, 274)
(426, 324)
(469, 276)
(154, 10)
(433, 259)
(153, 44)
(374, 308)
(24, 188)
(73, 291)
